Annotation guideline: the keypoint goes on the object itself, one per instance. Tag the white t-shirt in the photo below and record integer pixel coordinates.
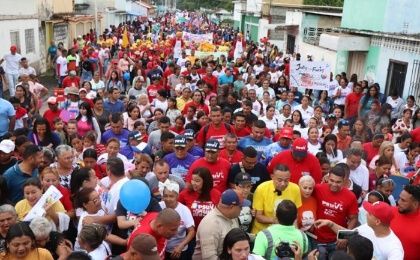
(113, 196)
(314, 149)
(272, 124)
(63, 65)
(274, 76)
(360, 176)
(260, 93)
(28, 71)
(306, 113)
(344, 92)
(334, 159)
(101, 252)
(97, 85)
(187, 221)
(384, 248)
(12, 63)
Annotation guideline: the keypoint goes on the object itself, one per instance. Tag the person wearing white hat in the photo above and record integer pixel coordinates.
(6, 155)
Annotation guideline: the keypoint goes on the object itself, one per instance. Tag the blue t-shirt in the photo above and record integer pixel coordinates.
(179, 167)
(15, 179)
(6, 111)
(123, 137)
(196, 151)
(258, 145)
(271, 151)
(116, 107)
(224, 79)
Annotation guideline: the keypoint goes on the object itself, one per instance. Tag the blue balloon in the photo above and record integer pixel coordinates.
(135, 196)
(126, 76)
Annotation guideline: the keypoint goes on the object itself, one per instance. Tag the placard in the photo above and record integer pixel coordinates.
(51, 196)
(310, 74)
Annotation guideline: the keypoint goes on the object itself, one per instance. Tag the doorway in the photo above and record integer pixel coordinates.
(290, 48)
(395, 80)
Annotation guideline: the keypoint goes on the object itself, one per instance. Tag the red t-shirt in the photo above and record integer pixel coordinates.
(308, 166)
(370, 151)
(199, 209)
(144, 227)
(213, 133)
(50, 115)
(353, 100)
(219, 171)
(335, 206)
(407, 229)
(211, 81)
(242, 132)
(65, 200)
(69, 82)
(343, 144)
(198, 107)
(235, 158)
(152, 92)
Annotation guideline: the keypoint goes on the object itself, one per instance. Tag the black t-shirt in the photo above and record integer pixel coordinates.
(259, 174)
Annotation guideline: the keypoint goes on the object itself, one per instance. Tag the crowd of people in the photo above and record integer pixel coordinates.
(240, 164)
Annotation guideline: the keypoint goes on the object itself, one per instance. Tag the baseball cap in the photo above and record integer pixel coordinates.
(72, 73)
(7, 146)
(243, 178)
(300, 147)
(13, 48)
(286, 132)
(146, 245)
(331, 116)
(380, 210)
(272, 65)
(212, 145)
(134, 135)
(82, 89)
(71, 90)
(189, 134)
(230, 198)
(180, 141)
(52, 100)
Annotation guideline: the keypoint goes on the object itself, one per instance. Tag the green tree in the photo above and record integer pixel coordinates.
(338, 3)
(192, 5)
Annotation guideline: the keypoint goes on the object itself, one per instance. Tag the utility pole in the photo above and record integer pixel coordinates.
(96, 18)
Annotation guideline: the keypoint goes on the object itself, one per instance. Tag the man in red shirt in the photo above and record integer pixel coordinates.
(211, 80)
(216, 129)
(299, 162)
(71, 80)
(405, 223)
(351, 104)
(230, 152)
(239, 125)
(335, 203)
(153, 89)
(218, 167)
(52, 112)
(371, 149)
(161, 226)
(343, 135)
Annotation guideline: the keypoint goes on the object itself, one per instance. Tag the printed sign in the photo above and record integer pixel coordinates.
(310, 74)
(198, 38)
(51, 196)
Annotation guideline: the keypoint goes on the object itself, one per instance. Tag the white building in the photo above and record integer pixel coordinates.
(19, 26)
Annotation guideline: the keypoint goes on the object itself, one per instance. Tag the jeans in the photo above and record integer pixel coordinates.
(12, 81)
(325, 250)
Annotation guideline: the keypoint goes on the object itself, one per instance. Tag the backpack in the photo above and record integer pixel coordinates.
(270, 243)
(206, 129)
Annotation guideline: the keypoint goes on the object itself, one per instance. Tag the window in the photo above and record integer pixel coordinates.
(30, 40)
(15, 39)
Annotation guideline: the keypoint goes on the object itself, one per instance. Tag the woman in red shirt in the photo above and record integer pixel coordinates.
(200, 197)
(197, 102)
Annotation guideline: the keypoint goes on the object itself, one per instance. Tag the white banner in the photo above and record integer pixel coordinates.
(198, 38)
(310, 74)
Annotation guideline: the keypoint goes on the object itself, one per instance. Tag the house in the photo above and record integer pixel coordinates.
(384, 47)
(19, 26)
(114, 12)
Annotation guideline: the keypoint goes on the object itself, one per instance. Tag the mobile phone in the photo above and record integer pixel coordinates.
(346, 234)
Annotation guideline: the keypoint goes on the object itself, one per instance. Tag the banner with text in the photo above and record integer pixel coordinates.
(310, 74)
(198, 38)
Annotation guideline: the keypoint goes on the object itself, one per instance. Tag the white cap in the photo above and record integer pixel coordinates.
(7, 146)
(52, 100)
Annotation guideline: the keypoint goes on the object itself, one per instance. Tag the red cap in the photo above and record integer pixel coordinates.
(380, 210)
(286, 132)
(300, 147)
(13, 48)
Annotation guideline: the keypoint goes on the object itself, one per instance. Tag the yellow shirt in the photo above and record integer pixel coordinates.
(267, 200)
(180, 103)
(192, 59)
(23, 207)
(35, 254)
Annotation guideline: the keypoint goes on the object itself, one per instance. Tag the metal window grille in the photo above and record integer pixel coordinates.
(30, 40)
